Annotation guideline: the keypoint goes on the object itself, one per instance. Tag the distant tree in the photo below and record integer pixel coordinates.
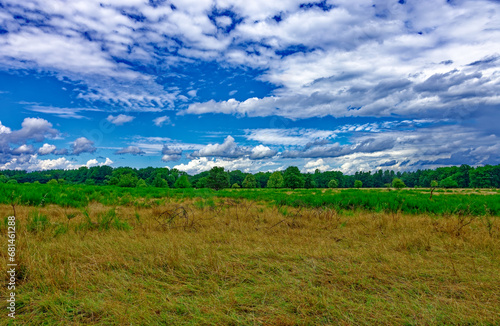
(481, 177)
(275, 180)
(218, 178)
(448, 182)
(235, 186)
(262, 179)
(141, 184)
(12, 181)
(250, 181)
(202, 183)
(398, 183)
(127, 180)
(3, 178)
(309, 182)
(293, 178)
(333, 183)
(358, 184)
(182, 182)
(52, 182)
(236, 177)
(90, 182)
(159, 182)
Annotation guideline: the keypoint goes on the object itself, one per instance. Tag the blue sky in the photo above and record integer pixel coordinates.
(252, 85)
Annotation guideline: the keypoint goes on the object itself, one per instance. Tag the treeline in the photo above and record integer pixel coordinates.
(463, 176)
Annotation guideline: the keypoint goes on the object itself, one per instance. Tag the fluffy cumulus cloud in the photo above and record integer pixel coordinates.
(261, 151)
(46, 149)
(243, 164)
(35, 129)
(83, 145)
(16, 144)
(120, 119)
(33, 163)
(318, 164)
(4, 129)
(94, 162)
(230, 150)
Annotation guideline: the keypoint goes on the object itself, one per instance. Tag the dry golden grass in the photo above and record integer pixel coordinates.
(244, 263)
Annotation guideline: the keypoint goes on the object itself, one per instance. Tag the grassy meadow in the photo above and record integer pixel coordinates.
(114, 256)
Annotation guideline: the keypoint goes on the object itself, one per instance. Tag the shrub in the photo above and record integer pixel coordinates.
(333, 183)
(398, 183)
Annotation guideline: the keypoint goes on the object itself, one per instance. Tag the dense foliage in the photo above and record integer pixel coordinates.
(446, 177)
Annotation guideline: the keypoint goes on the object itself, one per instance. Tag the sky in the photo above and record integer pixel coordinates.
(347, 85)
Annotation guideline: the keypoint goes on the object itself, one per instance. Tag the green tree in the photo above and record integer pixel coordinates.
(52, 182)
(309, 182)
(182, 182)
(398, 183)
(127, 180)
(141, 184)
(358, 184)
(333, 183)
(235, 186)
(250, 181)
(159, 182)
(275, 180)
(218, 178)
(448, 182)
(90, 182)
(202, 183)
(236, 177)
(293, 178)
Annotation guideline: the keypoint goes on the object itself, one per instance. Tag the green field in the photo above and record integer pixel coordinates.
(152, 256)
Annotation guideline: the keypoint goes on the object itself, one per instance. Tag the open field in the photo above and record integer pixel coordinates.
(254, 257)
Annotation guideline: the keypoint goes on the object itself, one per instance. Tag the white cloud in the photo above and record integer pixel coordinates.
(4, 129)
(94, 162)
(61, 112)
(160, 121)
(291, 136)
(319, 164)
(46, 149)
(261, 151)
(228, 149)
(244, 164)
(119, 119)
(24, 149)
